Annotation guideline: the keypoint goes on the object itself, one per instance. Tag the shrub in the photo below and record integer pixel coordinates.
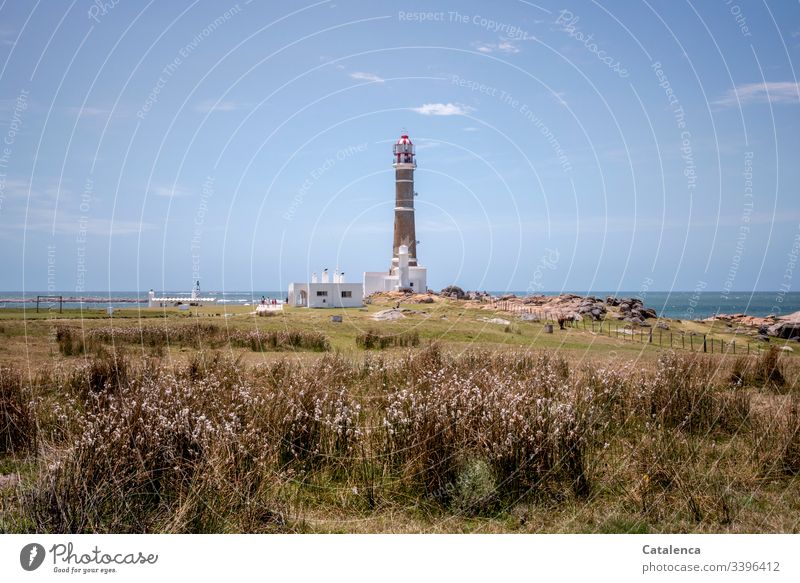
(372, 340)
(476, 489)
(527, 424)
(259, 341)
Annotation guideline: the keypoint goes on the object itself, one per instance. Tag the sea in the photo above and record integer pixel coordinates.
(683, 305)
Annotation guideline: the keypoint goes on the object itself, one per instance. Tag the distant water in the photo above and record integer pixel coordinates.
(683, 305)
(674, 305)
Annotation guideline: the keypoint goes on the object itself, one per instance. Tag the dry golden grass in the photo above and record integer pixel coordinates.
(420, 440)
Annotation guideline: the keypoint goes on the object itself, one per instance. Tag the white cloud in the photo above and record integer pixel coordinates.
(504, 46)
(507, 47)
(470, 129)
(769, 92)
(443, 109)
(361, 76)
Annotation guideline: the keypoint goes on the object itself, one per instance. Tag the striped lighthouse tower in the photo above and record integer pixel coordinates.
(404, 164)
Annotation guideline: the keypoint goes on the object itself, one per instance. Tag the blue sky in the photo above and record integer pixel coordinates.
(560, 145)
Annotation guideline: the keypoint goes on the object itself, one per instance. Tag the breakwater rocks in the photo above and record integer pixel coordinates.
(786, 327)
(632, 310)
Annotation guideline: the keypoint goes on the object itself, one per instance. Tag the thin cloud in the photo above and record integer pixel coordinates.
(362, 76)
(66, 222)
(504, 46)
(90, 111)
(769, 92)
(443, 109)
(210, 106)
(170, 192)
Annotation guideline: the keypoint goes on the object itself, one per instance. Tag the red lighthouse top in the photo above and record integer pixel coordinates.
(404, 151)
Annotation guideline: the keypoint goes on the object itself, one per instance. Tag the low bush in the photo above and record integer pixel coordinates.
(372, 340)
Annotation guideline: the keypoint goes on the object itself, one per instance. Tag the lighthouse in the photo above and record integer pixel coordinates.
(404, 274)
(404, 163)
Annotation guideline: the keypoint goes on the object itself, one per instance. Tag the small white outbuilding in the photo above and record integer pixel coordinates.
(325, 293)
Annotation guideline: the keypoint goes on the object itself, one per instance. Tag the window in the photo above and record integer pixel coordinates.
(321, 293)
(347, 294)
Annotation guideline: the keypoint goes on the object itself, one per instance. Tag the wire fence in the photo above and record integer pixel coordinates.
(658, 336)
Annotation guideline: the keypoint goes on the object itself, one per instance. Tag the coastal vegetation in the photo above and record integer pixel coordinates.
(296, 423)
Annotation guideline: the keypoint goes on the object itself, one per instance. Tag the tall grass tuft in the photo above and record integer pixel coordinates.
(17, 416)
(682, 395)
(765, 370)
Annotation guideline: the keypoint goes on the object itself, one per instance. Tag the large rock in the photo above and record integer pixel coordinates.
(786, 326)
(392, 314)
(453, 291)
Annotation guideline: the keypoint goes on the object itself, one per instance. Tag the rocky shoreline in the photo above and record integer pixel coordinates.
(630, 310)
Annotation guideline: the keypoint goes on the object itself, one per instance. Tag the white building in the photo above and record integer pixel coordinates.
(404, 277)
(325, 293)
(193, 300)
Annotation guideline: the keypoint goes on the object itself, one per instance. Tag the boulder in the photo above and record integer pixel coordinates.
(453, 291)
(785, 329)
(392, 314)
(495, 321)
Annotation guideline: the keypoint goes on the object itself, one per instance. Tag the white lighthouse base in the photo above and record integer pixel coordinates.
(401, 277)
(381, 281)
